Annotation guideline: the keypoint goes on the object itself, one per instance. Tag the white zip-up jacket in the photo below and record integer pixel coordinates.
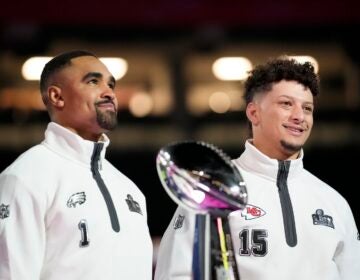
(67, 213)
(294, 227)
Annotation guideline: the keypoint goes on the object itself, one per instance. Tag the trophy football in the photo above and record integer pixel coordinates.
(201, 178)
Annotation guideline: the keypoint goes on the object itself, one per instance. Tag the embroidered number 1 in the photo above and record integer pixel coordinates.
(84, 233)
(257, 238)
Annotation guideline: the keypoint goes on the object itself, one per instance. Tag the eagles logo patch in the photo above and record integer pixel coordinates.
(4, 211)
(77, 198)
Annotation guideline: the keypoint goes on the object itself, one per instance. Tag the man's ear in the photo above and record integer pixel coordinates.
(252, 113)
(55, 97)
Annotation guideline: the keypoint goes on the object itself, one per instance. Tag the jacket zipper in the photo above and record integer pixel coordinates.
(286, 206)
(95, 158)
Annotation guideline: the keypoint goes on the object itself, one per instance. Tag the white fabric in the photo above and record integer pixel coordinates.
(40, 238)
(321, 252)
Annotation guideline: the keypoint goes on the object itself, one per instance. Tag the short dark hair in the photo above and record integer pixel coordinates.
(262, 77)
(57, 63)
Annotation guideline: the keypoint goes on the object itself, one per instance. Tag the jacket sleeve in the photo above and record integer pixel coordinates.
(348, 253)
(22, 230)
(174, 259)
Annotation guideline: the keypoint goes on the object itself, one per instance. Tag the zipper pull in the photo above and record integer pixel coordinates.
(100, 164)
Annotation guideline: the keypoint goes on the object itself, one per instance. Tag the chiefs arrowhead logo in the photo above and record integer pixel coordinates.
(252, 212)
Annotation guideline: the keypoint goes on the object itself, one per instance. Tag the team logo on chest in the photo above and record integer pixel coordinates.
(252, 212)
(319, 218)
(133, 205)
(4, 211)
(76, 199)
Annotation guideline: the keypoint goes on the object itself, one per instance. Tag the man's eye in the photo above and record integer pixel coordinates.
(111, 85)
(93, 81)
(285, 103)
(308, 109)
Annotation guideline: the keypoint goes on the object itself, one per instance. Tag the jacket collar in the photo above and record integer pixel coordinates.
(254, 161)
(70, 145)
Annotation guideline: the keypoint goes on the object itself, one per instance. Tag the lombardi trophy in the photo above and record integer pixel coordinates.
(200, 177)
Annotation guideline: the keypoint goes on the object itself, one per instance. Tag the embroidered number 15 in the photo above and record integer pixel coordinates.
(253, 243)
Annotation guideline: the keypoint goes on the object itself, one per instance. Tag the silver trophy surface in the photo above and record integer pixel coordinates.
(201, 178)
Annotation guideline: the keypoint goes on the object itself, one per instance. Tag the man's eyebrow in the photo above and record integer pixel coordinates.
(92, 75)
(294, 98)
(98, 76)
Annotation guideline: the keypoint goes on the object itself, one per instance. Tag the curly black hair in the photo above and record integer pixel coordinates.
(263, 76)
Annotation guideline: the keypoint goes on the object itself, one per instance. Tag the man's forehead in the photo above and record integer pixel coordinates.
(286, 89)
(302, 97)
(86, 64)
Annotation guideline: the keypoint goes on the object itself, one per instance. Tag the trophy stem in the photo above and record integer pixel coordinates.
(201, 264)
(213, 254)
(223, 257)
(224, 252)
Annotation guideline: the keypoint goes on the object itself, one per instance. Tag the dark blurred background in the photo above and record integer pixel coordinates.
(170, 47)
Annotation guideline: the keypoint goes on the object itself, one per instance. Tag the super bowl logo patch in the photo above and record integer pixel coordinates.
(319, 218)
(4, 211)
(251, 212)
(133, 205)
(179, 221)
(76, 199)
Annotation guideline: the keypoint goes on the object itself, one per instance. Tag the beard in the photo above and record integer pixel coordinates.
(106, 120)
(291, 148)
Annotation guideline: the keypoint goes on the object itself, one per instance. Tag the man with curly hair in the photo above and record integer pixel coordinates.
(294, 226)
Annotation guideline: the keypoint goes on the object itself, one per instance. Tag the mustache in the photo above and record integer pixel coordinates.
(104, 102)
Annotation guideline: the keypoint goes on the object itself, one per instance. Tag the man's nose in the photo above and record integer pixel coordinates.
(108, 93)
(298, 113)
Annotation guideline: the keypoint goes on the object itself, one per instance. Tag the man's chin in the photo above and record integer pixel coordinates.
(108, 125)
(107, 121)
(291, 147)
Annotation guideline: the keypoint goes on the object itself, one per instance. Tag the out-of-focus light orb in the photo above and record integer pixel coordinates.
(219, 102)
(232, 68)
(141, 104)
